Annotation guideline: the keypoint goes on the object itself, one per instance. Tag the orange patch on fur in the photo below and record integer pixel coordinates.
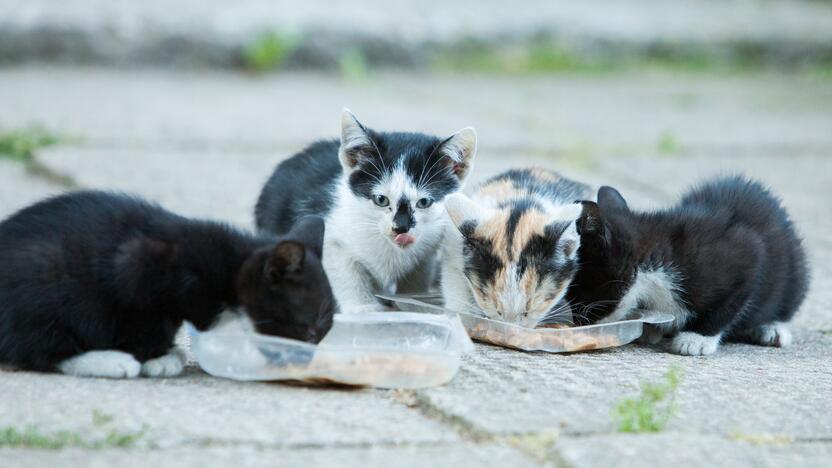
(501, 189)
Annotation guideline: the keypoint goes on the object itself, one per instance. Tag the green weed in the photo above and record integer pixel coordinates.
(268, 51)
(353, 65)
(20, 145)
(652, 409)
(667, 144)
(33, 437)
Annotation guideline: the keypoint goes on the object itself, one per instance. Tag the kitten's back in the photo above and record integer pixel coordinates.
(536, 185)
(749, 203)
(301, 185)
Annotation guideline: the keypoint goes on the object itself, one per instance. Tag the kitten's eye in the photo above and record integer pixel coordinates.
(381, 200)
(424, 203)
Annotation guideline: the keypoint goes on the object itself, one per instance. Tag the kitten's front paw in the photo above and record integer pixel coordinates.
(109, 364)
(169, 365)
(772, 334)
(694, 344)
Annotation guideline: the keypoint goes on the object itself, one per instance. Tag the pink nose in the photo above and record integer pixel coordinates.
(404, 239)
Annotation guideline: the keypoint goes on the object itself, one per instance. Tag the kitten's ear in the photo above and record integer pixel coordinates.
(285, 262)
(355, 141)
(569, 241)
(590, 223)
(460, 149)
(310, 231)
(460, 209)
(610, 200)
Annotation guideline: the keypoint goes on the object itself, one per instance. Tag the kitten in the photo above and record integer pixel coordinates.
(382, 196)
(725, 261)
(97, 284)
(512, 247)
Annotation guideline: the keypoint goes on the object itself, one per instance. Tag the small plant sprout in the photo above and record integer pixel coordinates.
(33, 437)
(652, 409)
(268, 51)
(667, 144)
(21, 144)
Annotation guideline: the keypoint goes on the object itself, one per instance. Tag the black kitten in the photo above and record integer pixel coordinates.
(726, 262)
(97, 284)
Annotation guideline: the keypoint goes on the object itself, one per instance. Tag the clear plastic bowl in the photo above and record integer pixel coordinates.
(377, 349)
(553, 340)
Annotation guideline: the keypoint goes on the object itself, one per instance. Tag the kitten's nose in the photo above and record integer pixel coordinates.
(403, 220)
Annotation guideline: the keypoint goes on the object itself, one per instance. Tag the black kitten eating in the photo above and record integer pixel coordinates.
(726, 262)
(97, 284)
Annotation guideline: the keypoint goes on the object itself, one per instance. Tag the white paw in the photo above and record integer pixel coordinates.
(773, 334)
(694, 344)
(110, 364)
(169, 365)
(651, 335)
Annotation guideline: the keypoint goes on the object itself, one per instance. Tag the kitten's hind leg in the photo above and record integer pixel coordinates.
(769, 334)
(169, 365)
(109, 364)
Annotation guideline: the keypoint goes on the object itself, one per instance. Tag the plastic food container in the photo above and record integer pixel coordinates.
(377, 349)
(553, 340)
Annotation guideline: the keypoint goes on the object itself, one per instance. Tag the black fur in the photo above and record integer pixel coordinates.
(739, 261)
(303, 184)
(99, 271)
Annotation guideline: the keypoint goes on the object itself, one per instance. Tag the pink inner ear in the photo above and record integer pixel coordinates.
(458, 168)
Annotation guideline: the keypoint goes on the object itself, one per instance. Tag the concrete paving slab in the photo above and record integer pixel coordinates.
(18, 188)
(199, 409)
(213, 32)
(684, 450)
(203, 184)
(742, 388)
(577, 115)
(415, 456)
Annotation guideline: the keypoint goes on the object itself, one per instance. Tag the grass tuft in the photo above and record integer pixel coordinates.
(268, 51)
(33, 437)
(353, 65)
(652, 409)
(667, 144)
(20, 145)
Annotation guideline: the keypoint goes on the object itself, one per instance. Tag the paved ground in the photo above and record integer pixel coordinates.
(202, 144)
(213, 32)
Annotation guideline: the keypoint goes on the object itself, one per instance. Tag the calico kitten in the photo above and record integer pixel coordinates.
(512, 247)
(726, 262)
(97, 284)
(382, 197)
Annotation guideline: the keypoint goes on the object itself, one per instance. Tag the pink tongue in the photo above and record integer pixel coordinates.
(404, 239)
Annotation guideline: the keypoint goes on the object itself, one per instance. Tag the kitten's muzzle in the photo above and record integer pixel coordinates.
(403, 220)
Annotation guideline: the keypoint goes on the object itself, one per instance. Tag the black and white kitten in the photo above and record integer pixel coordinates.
(97, 284)
(726, 262)
(382, 197)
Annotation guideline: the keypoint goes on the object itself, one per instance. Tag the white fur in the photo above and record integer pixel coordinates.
(658, 290)
(773, 334)
(110, 364)
(694, 344)
(169, 365)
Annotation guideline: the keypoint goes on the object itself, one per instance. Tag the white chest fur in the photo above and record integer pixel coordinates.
(655, 289)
